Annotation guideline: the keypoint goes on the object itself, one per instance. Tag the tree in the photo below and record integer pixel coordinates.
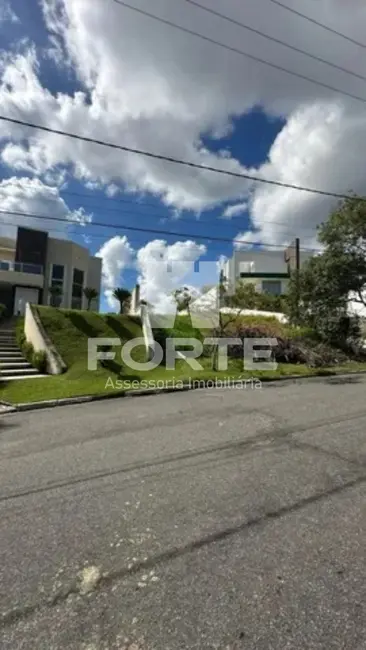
(55, 292)
(124, 298)
(90, 294)
(330, 281)
(226, 319)
(183, 298)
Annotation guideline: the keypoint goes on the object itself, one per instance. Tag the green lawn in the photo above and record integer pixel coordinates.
(69, 330)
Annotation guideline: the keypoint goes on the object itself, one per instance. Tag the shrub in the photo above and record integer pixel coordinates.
(39, 361)
(28, 351)
(296, 350)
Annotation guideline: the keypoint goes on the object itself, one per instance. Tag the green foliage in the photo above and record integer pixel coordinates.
(124, 298)
(28, 351)
(55, 292)
(19, 333)
(246, 297)
(90, 294)
(328, 282)
(39, 361)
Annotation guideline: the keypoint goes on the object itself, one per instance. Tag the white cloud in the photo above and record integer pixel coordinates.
(6, 13)
(234, 210)
(34, 197)
(150, 87)
(164, 267)
(321, 146)
(116, 254)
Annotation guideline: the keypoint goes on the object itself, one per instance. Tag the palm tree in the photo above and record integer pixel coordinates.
(55, 292)
(124, 297)
(90, 294)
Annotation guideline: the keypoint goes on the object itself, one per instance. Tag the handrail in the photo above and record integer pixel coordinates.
(21, 267)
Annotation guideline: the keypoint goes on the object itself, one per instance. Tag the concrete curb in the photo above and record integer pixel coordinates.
(68, 401)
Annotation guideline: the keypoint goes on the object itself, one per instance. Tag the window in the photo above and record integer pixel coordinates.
(58, 273)
(273, 287)
(57, 280)
(77, 289)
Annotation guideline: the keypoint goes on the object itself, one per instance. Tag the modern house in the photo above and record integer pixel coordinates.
(33, 262)
(266, 269)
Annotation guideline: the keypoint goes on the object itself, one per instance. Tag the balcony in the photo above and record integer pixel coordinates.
(21, 273)
(21, 267)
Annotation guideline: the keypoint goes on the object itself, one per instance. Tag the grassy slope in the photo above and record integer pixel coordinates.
(69, 331)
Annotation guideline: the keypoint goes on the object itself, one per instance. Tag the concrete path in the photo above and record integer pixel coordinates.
(230, 520)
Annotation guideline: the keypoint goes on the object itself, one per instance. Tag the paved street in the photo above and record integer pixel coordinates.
(229, 520)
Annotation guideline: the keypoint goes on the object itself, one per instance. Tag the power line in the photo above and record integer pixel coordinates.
(176, 161)
(241, 52)
(147, 230)
(319, 24)
(273, 39)
(147, 215)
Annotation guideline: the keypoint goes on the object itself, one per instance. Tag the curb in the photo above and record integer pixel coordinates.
(68, 401)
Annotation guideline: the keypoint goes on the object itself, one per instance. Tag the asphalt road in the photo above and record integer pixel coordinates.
(229, 520)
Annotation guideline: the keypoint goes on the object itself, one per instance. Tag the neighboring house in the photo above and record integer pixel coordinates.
(34, 261)
(266, 269)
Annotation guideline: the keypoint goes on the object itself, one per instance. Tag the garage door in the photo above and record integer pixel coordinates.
(22, 296)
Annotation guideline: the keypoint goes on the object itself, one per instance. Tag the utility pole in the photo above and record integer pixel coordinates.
(292, 259)
(297, 279)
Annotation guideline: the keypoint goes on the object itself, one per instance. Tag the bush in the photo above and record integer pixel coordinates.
(39, 361)
(28, 351)
(296, 350)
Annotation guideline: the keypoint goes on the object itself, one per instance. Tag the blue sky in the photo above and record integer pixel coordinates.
(106, 72)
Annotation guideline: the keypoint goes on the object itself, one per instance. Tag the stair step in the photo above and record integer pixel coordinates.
(20, 377)
(19, 371)
(10, 354)
(14, 364)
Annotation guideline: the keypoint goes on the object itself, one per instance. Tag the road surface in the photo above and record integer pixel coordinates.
(213, 519)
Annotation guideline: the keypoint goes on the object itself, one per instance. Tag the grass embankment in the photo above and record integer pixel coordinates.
(69, 331)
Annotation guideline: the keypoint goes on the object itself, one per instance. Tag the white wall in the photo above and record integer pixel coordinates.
(71, 256)
(262, 262)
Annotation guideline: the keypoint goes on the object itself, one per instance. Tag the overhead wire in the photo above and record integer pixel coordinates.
(177, 161)
(249, 28)
(147, 230)
(318, 23)
(236, 50)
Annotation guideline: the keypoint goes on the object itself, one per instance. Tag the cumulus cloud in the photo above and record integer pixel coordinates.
(234, 210)
(34, 197)
(116, 254)
(150, 87)
(164, 267)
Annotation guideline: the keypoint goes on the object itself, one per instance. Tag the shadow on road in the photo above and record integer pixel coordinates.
(339, 381)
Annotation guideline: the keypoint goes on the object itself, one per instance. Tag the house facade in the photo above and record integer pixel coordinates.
(34, 262)
(267, 270)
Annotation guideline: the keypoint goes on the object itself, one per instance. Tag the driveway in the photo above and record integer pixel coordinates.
(214, 519)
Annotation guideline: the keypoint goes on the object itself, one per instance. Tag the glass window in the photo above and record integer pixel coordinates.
(58, 272)
(77, 288)
(78, 276)
(273, 287)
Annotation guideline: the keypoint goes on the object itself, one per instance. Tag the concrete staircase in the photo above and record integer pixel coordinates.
(12, 363)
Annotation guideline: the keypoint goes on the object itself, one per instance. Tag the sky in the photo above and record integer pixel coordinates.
(99, 69)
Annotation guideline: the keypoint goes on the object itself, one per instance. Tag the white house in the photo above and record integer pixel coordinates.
(267, 270)
(33, 262)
